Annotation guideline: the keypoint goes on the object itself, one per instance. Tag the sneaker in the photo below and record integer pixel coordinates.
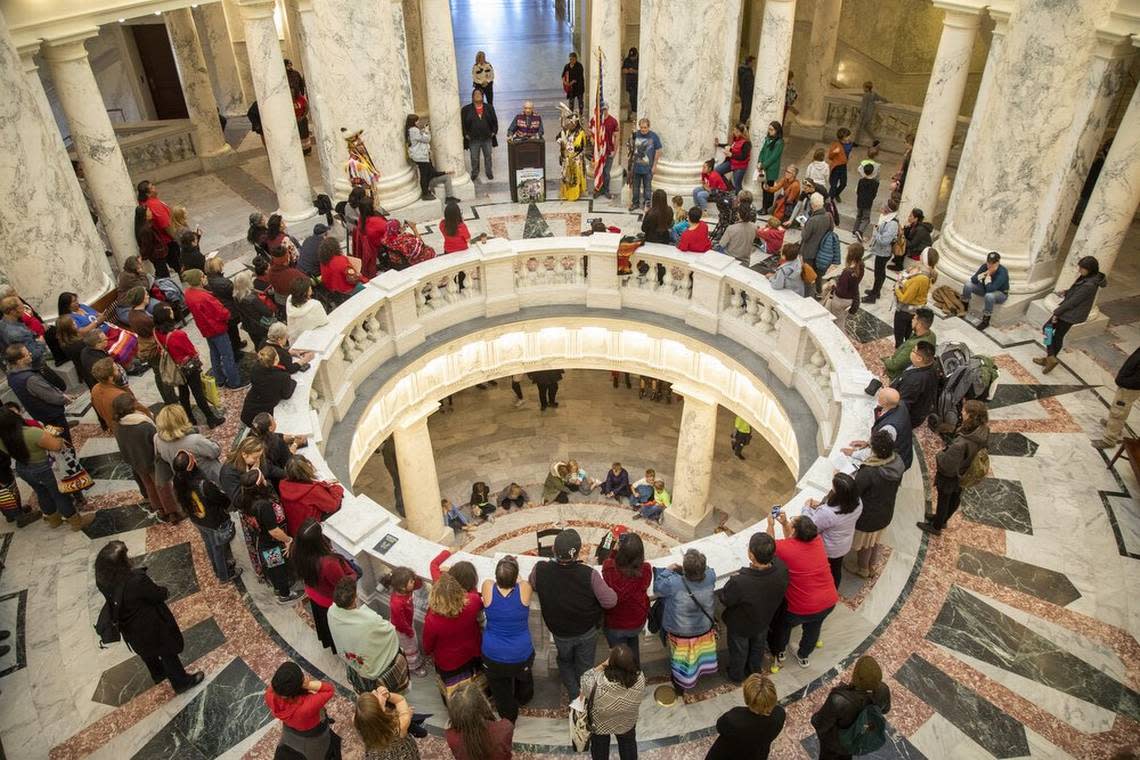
(636, 515)
(985, 322)
(819, 643)
(292, 597)
(870, 299)
(803, 661)
(216, 422)
(452, 199)
(419, 672)
(1100, 443)
(195, 679)
(858, 235)
(235, 573)
(519, 403)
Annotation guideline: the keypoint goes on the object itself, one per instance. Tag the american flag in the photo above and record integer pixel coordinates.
(599, 131)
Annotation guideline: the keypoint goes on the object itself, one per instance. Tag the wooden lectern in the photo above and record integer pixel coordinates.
(526, 169)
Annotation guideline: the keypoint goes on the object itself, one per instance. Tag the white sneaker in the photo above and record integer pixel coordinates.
(519, 403)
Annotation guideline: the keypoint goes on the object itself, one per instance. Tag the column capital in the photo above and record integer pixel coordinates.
(962, 14)
(256, 9)
(305, 6)
(691, 391)
(73, 47)
(28, 56)
(416, 415)
(1000, 15)
(1113, 44)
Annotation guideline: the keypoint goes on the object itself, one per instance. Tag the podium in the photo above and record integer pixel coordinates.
(526, 169)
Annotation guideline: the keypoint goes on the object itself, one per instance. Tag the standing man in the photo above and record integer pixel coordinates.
(572, 596)
(751, 599)
(574, 82)
(629, 76)
(745, 84)
(741, 436)
(643, 148)
(42, 400)
(526, 125)
(1127, 392)
(547, 382)
(480, 132)
(160, 221)
(296, 81)
(867, 112)
(606, 149)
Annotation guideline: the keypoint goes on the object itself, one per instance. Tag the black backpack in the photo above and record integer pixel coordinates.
(108, 624)
(868, 732)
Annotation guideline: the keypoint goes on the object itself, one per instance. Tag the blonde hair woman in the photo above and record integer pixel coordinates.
(382, 719)
(483, 77)
(750, 730)
(451, 630)
(176, 433)
(911, 291)
(270, 385)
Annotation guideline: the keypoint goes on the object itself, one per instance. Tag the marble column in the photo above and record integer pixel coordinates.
(353, 81)
(645, 57)
(816, 82)
(605, 33)
(685, 124)
(772, 61)
(215, 38)
(271, 90)
(727, 112)
(413, 33)
(1059, 76)
(419, 483)
(45, 228)
(939, 117)
(692, 475)
(209, 141)
(322, 125)
(237, 42)
(443, 94)
(103, 166)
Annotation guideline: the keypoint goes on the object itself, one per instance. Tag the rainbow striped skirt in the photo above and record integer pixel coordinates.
(692, 657)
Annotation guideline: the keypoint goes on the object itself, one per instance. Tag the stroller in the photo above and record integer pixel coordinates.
(962, 375)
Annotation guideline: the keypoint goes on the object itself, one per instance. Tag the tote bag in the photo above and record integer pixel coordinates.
(122, 345)
(70, 475)
(581, 721)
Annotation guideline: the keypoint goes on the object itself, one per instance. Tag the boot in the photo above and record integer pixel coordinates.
(53, 520)
(982, 325)
(1050, 363)
(1040, 361)
(79, 522)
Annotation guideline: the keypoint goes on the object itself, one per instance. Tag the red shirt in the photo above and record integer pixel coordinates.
(811, 588)
(456, 242)
(454, 642)
(304, 500)
(695, 239)
(714, 181)
(773, 238)
(211, 317)
(633, 599)
(609, 128)
(160, 219)
(334, 275)
(403, 611)
(301, 713)
(332, 569)
(177, 344)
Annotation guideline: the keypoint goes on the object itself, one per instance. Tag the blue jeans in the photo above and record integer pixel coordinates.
(631, 637)
(641, 495)
(642, 188)
(606, 174)
(700, 198)
(42, 480)
(575, 657)
(651, 511)
(724, 167)
(222, 360)
(992, 299)
(745, 655)
(217, 541)
(484, 147)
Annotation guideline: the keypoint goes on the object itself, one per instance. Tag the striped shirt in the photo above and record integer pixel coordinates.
(615, 707)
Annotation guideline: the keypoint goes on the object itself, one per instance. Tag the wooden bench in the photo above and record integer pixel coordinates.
(1131, 446)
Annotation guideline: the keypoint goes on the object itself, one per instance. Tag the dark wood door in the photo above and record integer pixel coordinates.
(160, 70)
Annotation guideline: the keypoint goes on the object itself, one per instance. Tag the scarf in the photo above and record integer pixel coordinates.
(874, 461)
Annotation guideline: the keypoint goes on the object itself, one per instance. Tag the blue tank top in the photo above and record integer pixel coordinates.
(506, 638)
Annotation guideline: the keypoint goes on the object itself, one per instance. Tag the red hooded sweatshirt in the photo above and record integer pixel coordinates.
(695, 239)
(304, 500)
(301, 713)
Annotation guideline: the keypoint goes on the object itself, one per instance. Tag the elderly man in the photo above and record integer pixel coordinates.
(526, 125)
(890, 415)
(45, 402)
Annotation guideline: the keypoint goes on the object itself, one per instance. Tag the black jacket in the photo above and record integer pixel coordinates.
(1078, 301)
(223, 290)
(745, 82)
(865, 193)
(208, 505)
(751, 598)
(878, 486)
(918, 389)
(477, 127)
(577, 76)
(255, 317)
(840, 710)
(917, 238)
(88, 356)
(147, 625)
(545, 376)
(1129, 375)
(269, 386)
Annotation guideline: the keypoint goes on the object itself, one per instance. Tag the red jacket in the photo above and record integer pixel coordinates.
(454, 642)
(160, 220)
(304, 500)
(177, 344)
(301, 713)
(773, 238)
(738, 153)
(633, 598)
(695, 239)
(332, 569)
(211, 317)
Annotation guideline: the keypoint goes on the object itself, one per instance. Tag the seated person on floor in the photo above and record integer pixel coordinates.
(578, 480)
(616, 484)
(657, 504)
(554, 487)
(641, 490)
(513, 497)
(480, 503)
(454, 518)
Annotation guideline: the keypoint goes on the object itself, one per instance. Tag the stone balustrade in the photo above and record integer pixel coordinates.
(623, 321)
(892, 122)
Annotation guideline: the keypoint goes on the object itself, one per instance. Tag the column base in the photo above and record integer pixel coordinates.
(221, 159)
(677, 177)
(1041, 310)
(689, 529)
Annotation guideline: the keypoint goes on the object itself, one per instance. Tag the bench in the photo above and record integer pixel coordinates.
(1131, 446)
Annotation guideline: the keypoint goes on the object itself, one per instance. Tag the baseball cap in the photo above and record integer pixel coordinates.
(567, 544)
(993, 257)
(320, 229)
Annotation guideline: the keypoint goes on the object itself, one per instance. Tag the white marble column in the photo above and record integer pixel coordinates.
(413, 33)
(322, 125)
(645, 58)
(241, 55)
(419, 483)
(271, 88)
(772, 60)
(376, 61)
(939, 117)
(443, 95)
(816, 82)
(692, 475)
(1059, 75)
(209, 141)
(686, 125)
(45, 227)
(103, 166)
(727, 112)
(605, 33)
(223, 68)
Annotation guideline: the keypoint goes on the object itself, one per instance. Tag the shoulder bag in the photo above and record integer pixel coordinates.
(582, 722)
(108, 624)
(712, 620)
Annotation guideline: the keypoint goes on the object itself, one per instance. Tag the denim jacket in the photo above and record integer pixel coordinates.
(683, 617)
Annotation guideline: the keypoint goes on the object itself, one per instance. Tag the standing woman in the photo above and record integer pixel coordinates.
(141, 324)
(845, 703)
(321, 569)
(1076, 303)
(688, 624)
(208, 509)
(150, 249)
(736, 157)
(770, 152)
(368, 238)
(256, 315)
(304, 497)
(617, 687)
(382, 719)
(835, 518)
(223, 290)
(417, 133)
(749, 731)
(28, 447)
(135, 434)
(629, 575)
(262, 514)
(145, 622)
(178, 344)
(270, 383)
(175, 433)
(483, 77)
(451, 631)
(508, 653)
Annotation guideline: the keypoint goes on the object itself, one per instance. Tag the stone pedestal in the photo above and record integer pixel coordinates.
(214, 35)
(692, 476)
(95, 141)
(196, 89)
(939, 117)
(237, 42)
(326, 137)
(46, 226)
(419, 483)
(772, 62)
(820, 64)
(271, 87)
(443, 95)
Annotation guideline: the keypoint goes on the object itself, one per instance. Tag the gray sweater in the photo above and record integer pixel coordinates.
(738, 241)
(815, 228)
(205, 452)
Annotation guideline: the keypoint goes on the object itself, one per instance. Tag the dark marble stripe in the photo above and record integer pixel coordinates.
(865, 327)
(17, 658)
(113, 520)
(898, 747)
(110, 466)
(125, 681)
(172, 567)
(998, 502)
(1011, 445)
(5, 543)
(1008, 395)
(1040, 582)
(535, 226)
(977, 717)
(968, 625)
(225, 712)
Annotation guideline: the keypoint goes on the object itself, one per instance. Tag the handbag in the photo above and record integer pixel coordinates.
(581, 721)
(108, 624)
(210, 388)
(656, 615)
(70, 475)
(168, 370)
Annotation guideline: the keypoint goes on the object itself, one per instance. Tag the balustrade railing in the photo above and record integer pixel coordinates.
(892, 122)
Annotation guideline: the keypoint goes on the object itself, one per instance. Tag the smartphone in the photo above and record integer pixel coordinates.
(776, 510)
